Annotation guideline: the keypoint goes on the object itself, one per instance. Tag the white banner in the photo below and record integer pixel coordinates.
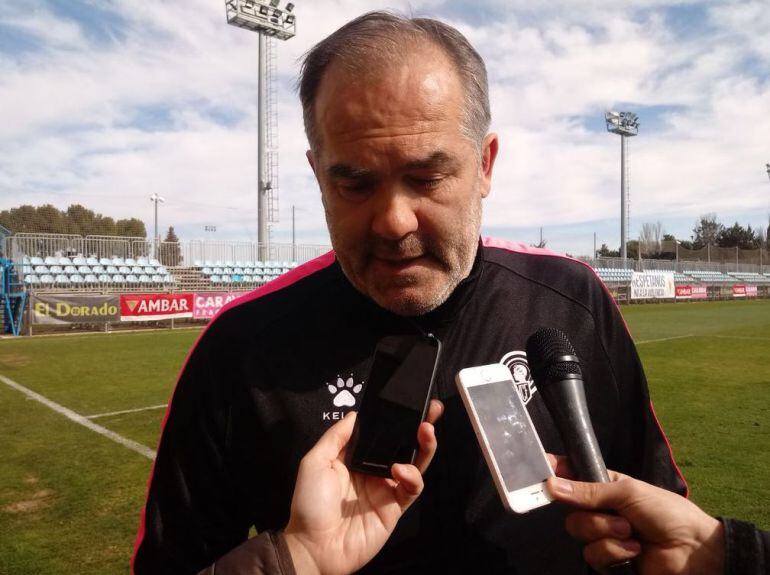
(653, 285)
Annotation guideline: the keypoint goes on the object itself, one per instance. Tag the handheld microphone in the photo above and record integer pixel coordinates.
(555, 369)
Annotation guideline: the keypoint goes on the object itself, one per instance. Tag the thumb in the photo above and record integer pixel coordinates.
(334, 440)
(613, 495)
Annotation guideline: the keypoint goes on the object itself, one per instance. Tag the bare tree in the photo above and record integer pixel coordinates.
(650, 239)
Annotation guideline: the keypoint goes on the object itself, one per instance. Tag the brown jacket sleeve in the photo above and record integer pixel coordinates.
(265, 554)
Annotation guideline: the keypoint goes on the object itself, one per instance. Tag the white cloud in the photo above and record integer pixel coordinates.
(107, 122)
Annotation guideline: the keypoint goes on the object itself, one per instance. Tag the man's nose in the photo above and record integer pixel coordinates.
(395, 214)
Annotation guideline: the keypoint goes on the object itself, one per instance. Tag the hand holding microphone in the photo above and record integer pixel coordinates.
(674, 535)
(555, 368)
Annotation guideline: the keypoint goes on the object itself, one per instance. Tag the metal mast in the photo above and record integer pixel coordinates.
(268, 20)
(626, 125)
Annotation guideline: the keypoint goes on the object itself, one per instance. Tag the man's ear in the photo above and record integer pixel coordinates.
(488, 155)
(311, 161)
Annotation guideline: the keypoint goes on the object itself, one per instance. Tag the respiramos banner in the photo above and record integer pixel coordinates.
(652, 285)
(65, 308)
(207, 305)
(155, 306)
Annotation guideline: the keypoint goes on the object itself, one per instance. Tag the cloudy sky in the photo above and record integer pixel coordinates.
(105, 102)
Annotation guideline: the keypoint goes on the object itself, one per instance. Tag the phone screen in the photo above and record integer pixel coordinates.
(512, 440)
(395, 398)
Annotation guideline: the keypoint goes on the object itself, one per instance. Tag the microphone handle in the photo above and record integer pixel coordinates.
(570, 412)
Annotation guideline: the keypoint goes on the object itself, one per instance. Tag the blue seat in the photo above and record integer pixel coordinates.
(92, 262)
(47, 279)
(62, 279)
(105, 279)
(32, 280)
(65, 261)
(36, 261)
(118, 279)
(76, 279)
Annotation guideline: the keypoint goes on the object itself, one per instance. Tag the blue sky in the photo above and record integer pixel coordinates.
(106, 102)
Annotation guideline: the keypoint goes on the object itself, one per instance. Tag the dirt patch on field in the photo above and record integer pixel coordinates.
(14, 360)
(39, 500)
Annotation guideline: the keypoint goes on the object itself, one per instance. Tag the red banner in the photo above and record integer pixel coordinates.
(155, 306)
(683, 292)
(698, 292)
(207, 305)
(691, 292)
(744, 291)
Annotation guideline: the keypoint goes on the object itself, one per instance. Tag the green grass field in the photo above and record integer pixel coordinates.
(70, 498)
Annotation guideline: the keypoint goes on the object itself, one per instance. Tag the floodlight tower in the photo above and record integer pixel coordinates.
(268, 20)
(626, 125)
(156, 238)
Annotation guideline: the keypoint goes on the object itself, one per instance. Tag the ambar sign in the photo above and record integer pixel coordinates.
(151, 307)
(59, 309)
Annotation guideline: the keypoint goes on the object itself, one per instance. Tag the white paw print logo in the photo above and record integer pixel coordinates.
(344, 392)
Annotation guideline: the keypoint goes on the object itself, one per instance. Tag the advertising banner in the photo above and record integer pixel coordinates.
(744, 291)
(683, 292)
(155, 306)
(652, 285)
(58, 309)
(207, 305)
(698, 292)
(691, 292)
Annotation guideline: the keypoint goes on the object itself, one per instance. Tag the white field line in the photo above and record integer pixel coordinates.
(121, 412)
(749, 337)
(664, 339)
(77, 418)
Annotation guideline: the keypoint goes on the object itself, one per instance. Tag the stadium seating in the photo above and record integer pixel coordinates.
(748, 277)
(612, 275)
(710, 276)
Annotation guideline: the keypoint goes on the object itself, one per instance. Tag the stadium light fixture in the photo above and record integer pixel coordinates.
(266, 19)
(156, 238)
(626, 125)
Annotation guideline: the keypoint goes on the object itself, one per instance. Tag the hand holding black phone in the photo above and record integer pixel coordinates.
(394, 403)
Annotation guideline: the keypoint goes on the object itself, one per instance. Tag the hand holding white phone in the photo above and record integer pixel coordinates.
(506, 435)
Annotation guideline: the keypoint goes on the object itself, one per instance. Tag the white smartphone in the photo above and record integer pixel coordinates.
(506, 435)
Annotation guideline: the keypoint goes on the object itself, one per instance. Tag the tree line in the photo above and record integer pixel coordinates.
(654, 243)
(76, 219)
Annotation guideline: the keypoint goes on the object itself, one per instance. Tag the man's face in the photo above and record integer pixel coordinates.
(400, 183)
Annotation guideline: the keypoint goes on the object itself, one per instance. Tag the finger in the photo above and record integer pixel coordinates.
(607, 552)
(426, 439)
(435, 411)
(333, 441)
(560, 465)
(409, 484)
(613, 495)
(591, 526)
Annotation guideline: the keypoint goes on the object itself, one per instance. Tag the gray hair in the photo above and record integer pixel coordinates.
(379, 36)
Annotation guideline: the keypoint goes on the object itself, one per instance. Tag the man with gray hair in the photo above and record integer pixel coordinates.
(397, 114)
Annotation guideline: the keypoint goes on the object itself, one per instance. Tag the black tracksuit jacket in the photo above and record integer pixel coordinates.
(254, 396)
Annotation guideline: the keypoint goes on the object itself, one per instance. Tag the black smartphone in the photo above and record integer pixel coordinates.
(394, 403)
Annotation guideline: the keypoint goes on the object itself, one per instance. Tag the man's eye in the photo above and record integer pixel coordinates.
(355, 190)
(428, 183)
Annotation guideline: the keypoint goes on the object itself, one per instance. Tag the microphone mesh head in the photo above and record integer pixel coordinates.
(544, 347)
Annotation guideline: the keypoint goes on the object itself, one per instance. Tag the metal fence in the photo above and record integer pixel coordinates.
(172, 254)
